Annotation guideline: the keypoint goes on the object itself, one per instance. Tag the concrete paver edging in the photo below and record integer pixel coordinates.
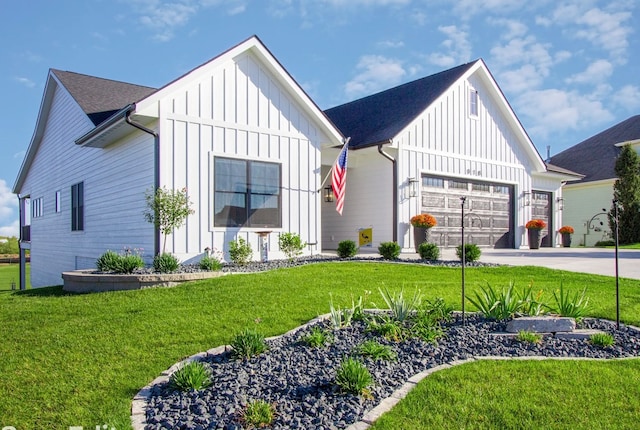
(140, 400)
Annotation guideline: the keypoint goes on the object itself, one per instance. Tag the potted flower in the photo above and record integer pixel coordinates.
(534, 227)
(421, 224)
(566, 231)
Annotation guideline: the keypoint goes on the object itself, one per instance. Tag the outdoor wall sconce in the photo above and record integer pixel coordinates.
(328, 193)
(413, 187)
(560, 202)
(527, 198)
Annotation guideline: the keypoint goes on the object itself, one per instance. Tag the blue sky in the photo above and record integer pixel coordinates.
(566, 67)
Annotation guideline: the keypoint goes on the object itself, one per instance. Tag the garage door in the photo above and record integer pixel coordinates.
(488, 211)
(541, 209)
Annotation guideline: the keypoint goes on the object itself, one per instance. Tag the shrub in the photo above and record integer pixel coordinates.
(167, 210)
(165, 263)
(389, 250)
(317, 337)
(191, 376)
(388, 328)
(210, 263)
(602, 339)
(353, 377)
(258, 414)
(109, 262)
(437, 310)
(375, 350)
(347, 249)
(602, 243)
(240, 251)
(471, 252)
(528, 337)
(130, 262)
(291, 244)
(400, 307)
(567, 306)
(499, 305)
(429, 251)
(247, 344)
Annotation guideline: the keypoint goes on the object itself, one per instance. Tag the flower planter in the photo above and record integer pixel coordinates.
(420, 235)
(534, 238)
(566, 240)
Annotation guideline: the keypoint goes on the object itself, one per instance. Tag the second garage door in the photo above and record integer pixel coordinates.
(488, 209)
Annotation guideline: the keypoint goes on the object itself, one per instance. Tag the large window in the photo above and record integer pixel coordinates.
(77, 207)
(247, 193)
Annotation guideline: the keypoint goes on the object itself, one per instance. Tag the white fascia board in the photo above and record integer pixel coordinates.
(590, 184)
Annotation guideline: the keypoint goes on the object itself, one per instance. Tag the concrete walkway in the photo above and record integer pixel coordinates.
(599, 261)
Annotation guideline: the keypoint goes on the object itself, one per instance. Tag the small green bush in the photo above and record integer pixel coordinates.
(429, 251)
(240, 251)
(130, 262)
(389, 250)
(389, 329)
(291, 244)
(376, 350)
(436, 310)
(602, 340)
(471, 252)
(347, 249)
(165, 263)
(603, 243)
(575, 306)
(247, 344)
(400, 307)
(353, 377)
(109, 262)
(258, 414)
(210, 263)
(317, 337)
(192, 376)
(528, 337)
(497, 304)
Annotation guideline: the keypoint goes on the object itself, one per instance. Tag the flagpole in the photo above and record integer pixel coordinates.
(346, 142)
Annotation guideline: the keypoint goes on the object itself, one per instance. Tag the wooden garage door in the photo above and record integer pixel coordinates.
(488, 211)
(541, 209)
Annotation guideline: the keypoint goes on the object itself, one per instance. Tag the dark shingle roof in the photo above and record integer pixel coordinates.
(100, 98)
(596, 156)
(380, 117)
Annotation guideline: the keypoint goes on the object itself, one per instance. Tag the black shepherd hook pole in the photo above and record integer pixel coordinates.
(462, 201)
(615, 217)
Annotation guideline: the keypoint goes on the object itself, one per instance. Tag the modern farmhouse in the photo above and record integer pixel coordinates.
(252, 149)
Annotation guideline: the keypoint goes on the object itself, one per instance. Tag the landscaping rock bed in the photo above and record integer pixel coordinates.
(298, 379)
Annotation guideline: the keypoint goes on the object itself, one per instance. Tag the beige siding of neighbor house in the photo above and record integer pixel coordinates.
(114, 179)
(581, 203)
(238, 109)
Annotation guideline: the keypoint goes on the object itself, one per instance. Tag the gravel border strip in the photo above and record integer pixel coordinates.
(141, 399)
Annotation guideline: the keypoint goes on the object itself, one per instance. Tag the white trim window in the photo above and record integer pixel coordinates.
(473, 103)
(247, 193)
(37, 207)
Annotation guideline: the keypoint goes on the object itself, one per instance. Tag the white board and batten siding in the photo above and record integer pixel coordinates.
(115, 179)
(238, 109)
(447, 141)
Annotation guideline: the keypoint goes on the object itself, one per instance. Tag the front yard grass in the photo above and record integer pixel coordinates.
(10, 272)
(77, 360)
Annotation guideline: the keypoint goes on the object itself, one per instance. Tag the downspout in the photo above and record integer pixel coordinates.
(22, 271)
(156, 167)
(395, 189)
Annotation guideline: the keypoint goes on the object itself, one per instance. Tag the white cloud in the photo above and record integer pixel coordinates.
(607, 30)
(457, 48)
(375, 73)
(524, 78)
(595, 73)
(628, 97)
(554, 111)
(10, 230)
(25, 81)
(510, 28)
(468, 8)
(351, 3)
(8, 201)
(390, 44)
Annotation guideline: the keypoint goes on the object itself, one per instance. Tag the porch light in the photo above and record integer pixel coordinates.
(527, 198)
(413, 187)
(560, 202)
(328, 193)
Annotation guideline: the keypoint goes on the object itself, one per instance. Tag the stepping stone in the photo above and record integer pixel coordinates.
(579, 334)
(542, 324)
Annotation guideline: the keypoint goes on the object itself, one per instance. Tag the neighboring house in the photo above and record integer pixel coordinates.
(238, 132)
(421, 146)
(595, 158)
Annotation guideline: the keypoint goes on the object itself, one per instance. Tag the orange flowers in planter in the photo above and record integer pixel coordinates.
(536, 224)
(423, 220)
(566, 229)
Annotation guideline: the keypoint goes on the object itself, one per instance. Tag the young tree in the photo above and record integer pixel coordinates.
(167, 210)
(626, 191)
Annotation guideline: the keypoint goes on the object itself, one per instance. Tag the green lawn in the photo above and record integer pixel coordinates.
(11, 273)
(77, 360)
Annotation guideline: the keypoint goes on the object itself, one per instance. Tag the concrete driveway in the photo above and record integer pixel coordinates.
(598, 261)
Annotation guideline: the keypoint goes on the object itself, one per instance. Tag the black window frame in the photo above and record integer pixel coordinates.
(77, 207)
(246, 192)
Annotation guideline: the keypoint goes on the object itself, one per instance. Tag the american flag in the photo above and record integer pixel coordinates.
(339, 178)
